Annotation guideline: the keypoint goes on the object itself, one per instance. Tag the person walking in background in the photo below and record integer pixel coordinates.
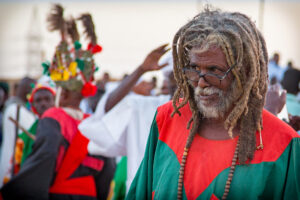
(275, 71)
(291, 79)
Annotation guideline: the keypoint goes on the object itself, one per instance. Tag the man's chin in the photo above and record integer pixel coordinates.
(210, 111)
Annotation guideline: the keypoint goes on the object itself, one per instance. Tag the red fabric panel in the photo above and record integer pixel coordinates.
(60, 157)
(75, 154)
(205, 153)
(93, 163)
(153, 193)
(68, 130)
(276, 136)
(76, 186)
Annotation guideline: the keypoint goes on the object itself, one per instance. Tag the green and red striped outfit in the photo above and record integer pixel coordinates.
(272, 174)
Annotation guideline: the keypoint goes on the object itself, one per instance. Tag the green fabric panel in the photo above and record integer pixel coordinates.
(28, 142)
(267, 180)
(120, 180)
(166, 173)
(292, 187)
(163, 180)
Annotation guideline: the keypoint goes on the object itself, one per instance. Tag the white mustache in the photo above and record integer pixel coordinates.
(207, 91)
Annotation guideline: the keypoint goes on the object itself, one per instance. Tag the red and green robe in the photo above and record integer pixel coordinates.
(272, 174)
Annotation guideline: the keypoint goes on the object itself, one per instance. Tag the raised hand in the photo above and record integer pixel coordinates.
(151, 61)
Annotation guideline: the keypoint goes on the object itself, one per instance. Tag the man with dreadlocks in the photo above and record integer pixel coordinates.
(217, 141)
(59, 166)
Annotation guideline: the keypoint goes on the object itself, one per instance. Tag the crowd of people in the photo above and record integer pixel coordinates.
(213, 130)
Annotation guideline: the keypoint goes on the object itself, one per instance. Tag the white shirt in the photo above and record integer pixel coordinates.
(123, 130)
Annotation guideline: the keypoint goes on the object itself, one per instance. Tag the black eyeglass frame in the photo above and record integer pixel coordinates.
(215, 75)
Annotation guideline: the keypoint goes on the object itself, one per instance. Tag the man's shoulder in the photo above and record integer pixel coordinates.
(273, 124)
(168, 108)
(164, 118)
(57, 114)
(276, 137)
(53, 112)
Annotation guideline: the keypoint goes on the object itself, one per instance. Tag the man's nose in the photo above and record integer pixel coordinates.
(202, 83)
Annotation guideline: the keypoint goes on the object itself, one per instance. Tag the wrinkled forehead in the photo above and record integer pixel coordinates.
(208, 54)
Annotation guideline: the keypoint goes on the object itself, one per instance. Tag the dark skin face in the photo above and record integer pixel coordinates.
(43, 100)
(212, 60)
(143, 88)
(70, 99)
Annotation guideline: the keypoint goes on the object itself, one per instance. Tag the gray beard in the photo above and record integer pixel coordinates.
(226, 101)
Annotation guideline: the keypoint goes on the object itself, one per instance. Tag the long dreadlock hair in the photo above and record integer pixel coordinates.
(244, 46)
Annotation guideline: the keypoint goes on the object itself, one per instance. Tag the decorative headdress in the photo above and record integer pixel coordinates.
(72, 68)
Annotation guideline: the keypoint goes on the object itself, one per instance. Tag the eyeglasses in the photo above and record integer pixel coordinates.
(212, 78)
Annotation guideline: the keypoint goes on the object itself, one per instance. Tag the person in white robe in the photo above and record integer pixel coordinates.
(123, 129)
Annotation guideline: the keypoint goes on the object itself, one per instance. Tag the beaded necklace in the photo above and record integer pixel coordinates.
(231, 171)
(229, 178)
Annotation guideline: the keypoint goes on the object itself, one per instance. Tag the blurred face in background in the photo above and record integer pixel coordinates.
(143, 88)
(43, 100)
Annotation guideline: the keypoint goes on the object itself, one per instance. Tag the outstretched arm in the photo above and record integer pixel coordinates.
(150, 64)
